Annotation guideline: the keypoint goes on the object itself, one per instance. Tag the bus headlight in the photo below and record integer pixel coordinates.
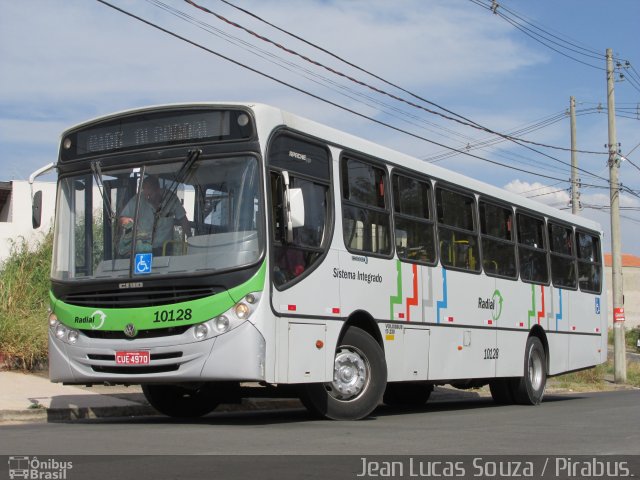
(201, 331)
(242, 311)
(221, 323)
(230, 319)
(60, 331)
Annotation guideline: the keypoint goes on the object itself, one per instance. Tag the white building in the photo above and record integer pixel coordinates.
(15, 213)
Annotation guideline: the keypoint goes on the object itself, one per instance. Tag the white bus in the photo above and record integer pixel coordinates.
(202, 248)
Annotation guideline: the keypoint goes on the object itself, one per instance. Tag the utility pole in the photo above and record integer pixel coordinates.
(575, 194)
(619, 358)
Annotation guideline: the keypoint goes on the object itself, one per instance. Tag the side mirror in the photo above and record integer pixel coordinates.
(294, 207)
(36, 209)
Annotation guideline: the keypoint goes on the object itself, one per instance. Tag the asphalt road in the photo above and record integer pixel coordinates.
(586, 423)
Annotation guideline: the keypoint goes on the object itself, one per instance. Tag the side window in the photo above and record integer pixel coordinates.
(532, 252)
(414, 226)
(307, 166)
(563, 259)
(498, 246)
(456, 230)
(589, 263)
(366, 216)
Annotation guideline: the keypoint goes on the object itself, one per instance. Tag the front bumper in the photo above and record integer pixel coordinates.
(236, 355)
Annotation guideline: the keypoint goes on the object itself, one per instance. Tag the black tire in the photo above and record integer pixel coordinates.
(529, 389)
(360, 377)
(501, 391)
(184, 401)
(407, 394)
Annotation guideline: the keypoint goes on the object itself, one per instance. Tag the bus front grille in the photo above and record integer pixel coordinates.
(152, 333)
(153, 356)
(150, 297)
(146, 370)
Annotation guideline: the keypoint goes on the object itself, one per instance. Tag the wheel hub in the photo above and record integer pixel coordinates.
(350, 375)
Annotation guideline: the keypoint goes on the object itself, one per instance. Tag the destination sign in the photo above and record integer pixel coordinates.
(157, 129)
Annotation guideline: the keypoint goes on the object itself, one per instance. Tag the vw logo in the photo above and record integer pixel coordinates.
(130, 330)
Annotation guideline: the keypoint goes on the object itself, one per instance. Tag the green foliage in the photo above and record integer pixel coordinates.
(591, 379)
(24, 300)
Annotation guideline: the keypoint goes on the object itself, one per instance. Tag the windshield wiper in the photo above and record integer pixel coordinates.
(97, 176)
(168, 193)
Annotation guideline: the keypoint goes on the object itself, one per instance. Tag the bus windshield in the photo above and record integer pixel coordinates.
(189, 216)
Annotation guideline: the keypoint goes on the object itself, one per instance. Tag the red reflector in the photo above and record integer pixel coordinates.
(335, 310)
(401, 315)
(291, 308)
(489, 322)
(450, 319)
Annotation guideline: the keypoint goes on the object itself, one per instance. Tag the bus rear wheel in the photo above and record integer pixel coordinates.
(529, 389)
(359, 380)
(183, 401)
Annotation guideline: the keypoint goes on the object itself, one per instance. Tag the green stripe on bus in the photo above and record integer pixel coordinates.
(163, 316)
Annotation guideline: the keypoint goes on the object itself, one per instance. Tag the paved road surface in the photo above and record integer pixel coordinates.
(589, 423)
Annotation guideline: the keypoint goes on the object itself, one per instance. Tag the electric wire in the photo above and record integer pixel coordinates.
(310, 94)
(465, 121)
(276, 60)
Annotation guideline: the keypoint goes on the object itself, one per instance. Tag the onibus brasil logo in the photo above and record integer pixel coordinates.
(34, 468)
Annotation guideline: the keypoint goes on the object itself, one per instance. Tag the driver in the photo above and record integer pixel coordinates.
(155, 221)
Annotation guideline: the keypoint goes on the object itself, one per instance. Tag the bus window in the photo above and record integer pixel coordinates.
(563, 264)
(366, 222)
(532, 253)
(456, 230)
(498, 247)
(308, 169)
(414, 227)
(589, 263)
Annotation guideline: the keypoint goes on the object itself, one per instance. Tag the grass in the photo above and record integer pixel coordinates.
(24, 300)
(594, 378)
(630, 338)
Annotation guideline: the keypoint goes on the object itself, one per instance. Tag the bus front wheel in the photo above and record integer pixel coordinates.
(182, 401)
(359, 380)
(529, 389)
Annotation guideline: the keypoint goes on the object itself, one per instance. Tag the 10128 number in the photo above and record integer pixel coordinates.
(491, 353)
(178, 315)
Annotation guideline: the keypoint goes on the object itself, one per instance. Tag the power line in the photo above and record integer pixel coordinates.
(465, 121)
(310, 94)
(542, 39)
(252, 49)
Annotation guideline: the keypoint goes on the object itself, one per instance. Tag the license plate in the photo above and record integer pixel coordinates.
(133, 358)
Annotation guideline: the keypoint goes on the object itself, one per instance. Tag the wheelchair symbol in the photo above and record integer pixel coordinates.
(143, 263)
(597, 306)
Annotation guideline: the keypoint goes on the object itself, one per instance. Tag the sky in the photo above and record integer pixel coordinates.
(66, 61)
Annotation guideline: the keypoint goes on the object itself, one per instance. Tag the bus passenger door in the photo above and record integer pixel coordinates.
(305, 294)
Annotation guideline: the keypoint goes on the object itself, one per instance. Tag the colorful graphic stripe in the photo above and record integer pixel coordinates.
(413, 300)
(440, 304)
(559, 314)
(396, 299)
